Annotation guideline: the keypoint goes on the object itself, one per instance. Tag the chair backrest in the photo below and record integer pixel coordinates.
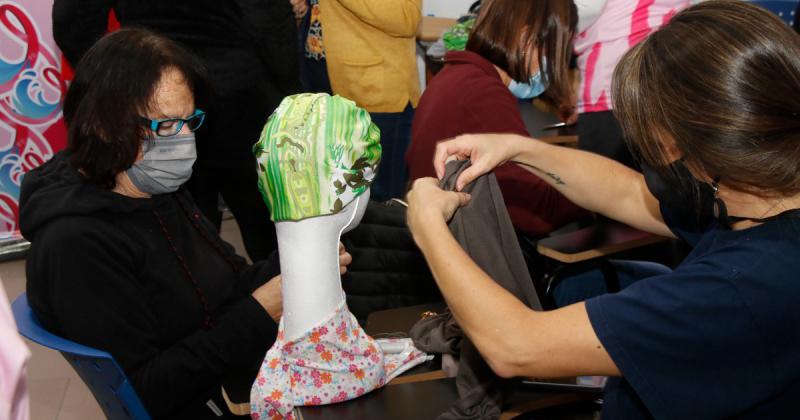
(98, 369)
(785, 9)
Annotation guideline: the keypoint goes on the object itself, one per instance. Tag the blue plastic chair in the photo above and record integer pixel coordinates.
(98, 369)
(785, 9)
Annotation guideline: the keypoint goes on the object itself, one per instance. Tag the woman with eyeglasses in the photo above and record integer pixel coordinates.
(121, 257)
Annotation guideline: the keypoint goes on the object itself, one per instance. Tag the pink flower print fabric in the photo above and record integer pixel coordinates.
(336, 361)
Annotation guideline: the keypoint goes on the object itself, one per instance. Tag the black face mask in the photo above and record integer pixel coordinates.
(681, 192)
(688, 196)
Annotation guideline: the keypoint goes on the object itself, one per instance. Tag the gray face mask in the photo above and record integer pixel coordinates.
(166, 164)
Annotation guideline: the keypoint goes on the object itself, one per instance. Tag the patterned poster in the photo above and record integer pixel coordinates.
(31, 91)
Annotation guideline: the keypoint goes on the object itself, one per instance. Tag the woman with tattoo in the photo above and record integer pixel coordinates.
(710, 105)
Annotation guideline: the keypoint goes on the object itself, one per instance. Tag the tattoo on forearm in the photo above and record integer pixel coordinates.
(552, 176)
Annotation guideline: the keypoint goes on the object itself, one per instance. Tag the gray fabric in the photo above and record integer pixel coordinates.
(484, 230)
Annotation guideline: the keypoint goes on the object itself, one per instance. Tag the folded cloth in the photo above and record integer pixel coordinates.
(483, 228)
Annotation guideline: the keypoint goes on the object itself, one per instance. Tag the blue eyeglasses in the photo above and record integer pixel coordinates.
(169, 127)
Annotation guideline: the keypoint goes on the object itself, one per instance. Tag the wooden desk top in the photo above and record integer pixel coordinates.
(427, 400)
(423, 400)
(399, 319)
(431, 28)
(604, 238)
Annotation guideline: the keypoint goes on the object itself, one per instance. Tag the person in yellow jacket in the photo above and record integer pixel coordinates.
(371, 55)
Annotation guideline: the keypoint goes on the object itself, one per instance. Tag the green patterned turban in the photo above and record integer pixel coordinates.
(316, 154)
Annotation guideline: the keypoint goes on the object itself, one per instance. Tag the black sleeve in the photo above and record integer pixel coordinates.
(249, 276)
(78, 24)
(255, 275)
(101, 302)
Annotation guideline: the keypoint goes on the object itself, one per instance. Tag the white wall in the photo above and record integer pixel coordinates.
(445, 8)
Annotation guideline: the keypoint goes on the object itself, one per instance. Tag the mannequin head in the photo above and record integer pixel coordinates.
(317, 154)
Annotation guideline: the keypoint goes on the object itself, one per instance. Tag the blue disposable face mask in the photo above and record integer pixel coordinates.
(536, 85)
(166, 164)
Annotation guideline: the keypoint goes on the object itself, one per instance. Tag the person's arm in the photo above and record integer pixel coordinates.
(78, 24)
(398, 18)
(591, 181)
(514, 340)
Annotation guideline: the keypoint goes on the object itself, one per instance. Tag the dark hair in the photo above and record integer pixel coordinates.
(722, 81)
(113, 87)
(505, 30)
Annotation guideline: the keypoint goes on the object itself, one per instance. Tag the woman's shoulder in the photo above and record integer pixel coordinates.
(71, 234)
(469, 84)
(467, 67)
(762, 256)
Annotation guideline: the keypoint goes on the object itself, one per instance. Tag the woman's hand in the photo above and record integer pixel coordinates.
(568, 111)
(270, 298)
(428, 203)
(344, 259)
(300, 7)
(485, 151)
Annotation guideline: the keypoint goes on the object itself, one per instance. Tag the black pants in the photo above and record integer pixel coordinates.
(238, 187)
(395, 137)
(243, 98)
(599, 132)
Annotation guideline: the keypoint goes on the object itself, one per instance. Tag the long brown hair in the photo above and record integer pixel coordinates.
(722, 81)
(505, 30)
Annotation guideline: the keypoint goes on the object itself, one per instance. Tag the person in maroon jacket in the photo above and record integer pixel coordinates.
(477, 92)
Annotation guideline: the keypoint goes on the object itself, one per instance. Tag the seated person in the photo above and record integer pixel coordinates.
(318, 157)
(121, 258)
(609, 28)
(709, 102)
(477, 92)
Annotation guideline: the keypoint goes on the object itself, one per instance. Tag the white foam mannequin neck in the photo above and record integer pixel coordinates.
(309, 255)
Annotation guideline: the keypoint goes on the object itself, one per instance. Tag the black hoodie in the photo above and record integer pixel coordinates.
(147, 280)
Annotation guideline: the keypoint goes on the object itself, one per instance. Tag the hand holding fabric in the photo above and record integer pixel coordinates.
(485, 151)
(428, 202)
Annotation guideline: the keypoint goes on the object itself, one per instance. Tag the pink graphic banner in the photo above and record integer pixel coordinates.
(32, 88)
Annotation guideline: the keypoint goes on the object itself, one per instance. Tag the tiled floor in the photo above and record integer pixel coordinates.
(56, 391)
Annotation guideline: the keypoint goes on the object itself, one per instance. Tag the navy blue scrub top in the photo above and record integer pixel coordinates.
(719, 337)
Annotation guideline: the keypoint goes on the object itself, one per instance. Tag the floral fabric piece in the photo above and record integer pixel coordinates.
(336, 361)
(314, 48)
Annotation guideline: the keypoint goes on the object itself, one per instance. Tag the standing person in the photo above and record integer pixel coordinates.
(313, 66)
(244, 81)
(478, 92)
(710, 103)
(371, 55)
(610, 28)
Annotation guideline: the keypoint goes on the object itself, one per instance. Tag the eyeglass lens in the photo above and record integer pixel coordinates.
(172, 127)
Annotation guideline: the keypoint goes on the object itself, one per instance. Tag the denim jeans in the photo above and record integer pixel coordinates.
(395, 137)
